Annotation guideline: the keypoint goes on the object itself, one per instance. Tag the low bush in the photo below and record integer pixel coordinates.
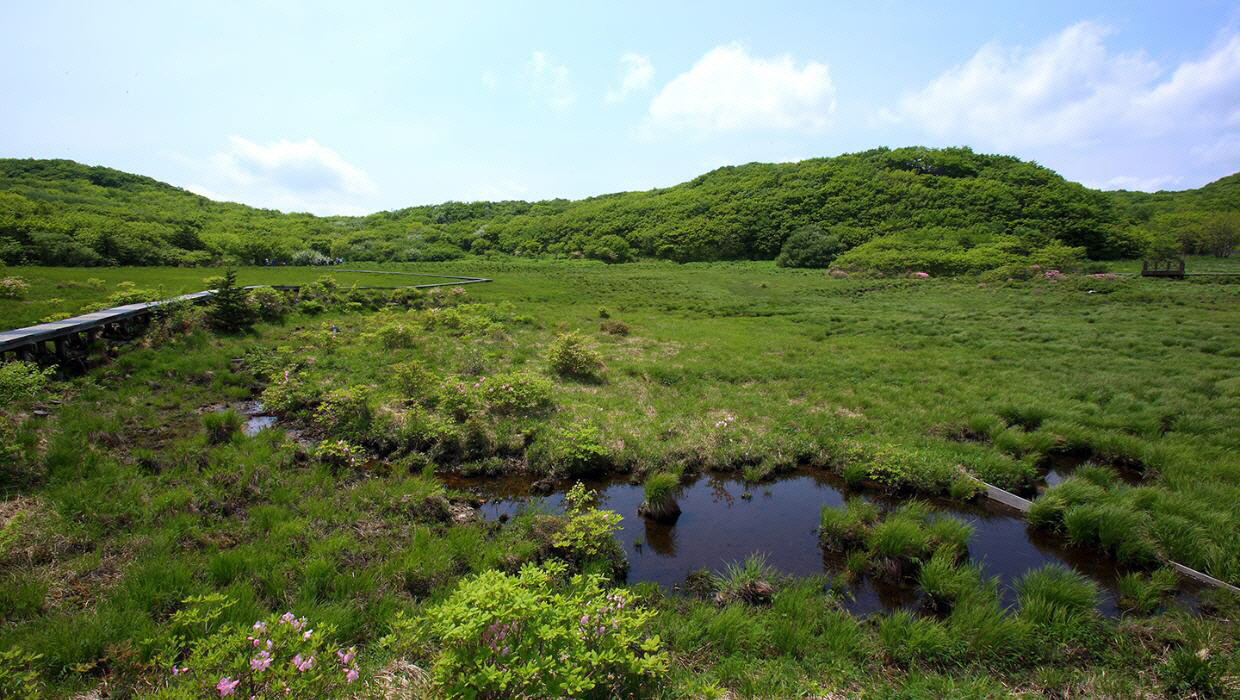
(617, 328)
(22, 381)
(395, 336)
(290, 394)
(339, 454)
(13, 288)
(588, 532)
(535, 634)
(414, 381)
(345, 413)
(569, 450)
(516, 393)
(570, 355)
(278, 656)
(268, 303)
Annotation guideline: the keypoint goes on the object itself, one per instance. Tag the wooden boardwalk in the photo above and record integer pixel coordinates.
(60, 341)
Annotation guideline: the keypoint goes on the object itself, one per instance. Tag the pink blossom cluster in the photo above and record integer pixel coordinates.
(605, 617)
(347, 661)
(921, 275)
(1053, 275)
(496, 634)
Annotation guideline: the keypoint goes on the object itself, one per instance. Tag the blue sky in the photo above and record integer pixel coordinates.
(357, 107)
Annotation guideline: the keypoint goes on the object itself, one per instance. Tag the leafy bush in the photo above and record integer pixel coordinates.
(222, 426)
(268, 304)
(339, 454)
(414, 380)
(811, 246)
(311, 307)
(609, 248)
(516, 393)
(588, 531)
(290, 394)
(572, 450)
(279, 656)
(535, 634)
(18, 675)
(458, 398)
(13, 288)
(345, 413)
(22, 381)
(396, 336)
(309, 257)
(570, 355)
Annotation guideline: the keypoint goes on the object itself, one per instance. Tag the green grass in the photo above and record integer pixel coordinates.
(127, 509)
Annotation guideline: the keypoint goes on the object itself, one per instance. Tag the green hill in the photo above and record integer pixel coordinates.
(947, 210)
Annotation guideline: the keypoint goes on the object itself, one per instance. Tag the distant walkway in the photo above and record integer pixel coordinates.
(59, 341)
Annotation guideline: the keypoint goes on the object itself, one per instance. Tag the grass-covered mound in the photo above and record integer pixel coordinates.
(907, 209)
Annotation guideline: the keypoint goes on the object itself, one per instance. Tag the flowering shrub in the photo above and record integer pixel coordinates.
(289, 394)
(280, 656)
(13, 288)
(570, 356)
(21, 381)
(921, 275)
(339, 454)
(535, 635)
(516, 393)
(1052, 275)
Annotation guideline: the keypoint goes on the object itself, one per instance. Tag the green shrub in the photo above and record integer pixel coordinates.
(458, 398)
(345, 413)
(965, 488)
(811, 246)
(414, 380)
(570, 355)
(268, 303)
(222, 426)
(516, 393)
(289, 395)
(339, 454)
(571, 450)
(22, 381)
(588, 531)
(278, 656)
(19, 676)
(535, 634)
(311, 307)
(394, 336)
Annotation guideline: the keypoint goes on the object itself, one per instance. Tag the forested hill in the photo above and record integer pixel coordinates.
(910, 208)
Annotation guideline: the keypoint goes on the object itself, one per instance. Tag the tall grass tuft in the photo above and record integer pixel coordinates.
(944, 580)
(845, 527)
(950, 535)
(1053, 594)
(1144, 594)
(222, 426)
(660, 497)
(751, 581)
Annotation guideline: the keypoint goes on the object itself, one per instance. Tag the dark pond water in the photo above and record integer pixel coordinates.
(725, 520)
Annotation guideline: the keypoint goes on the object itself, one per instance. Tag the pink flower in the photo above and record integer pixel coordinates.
(287, 618)
(351, 675)
(261, 662)
(307, 634)
(178, 671)
(921, 275)
(227, 686)
(260, 627)
(303, 664)
(345, 657)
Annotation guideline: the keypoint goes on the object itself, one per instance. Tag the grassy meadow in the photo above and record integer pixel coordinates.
(122, 501)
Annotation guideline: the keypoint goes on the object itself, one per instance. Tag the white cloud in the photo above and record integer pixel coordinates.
(1144, 184)
(1071, 90)
(549, 82)
(285, 175)
(636, 73)
(728, 90)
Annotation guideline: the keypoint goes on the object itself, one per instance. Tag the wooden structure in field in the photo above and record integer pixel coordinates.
(1163, 267)
(69, 341)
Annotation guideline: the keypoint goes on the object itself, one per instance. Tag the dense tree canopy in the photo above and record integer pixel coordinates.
(889, 204)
